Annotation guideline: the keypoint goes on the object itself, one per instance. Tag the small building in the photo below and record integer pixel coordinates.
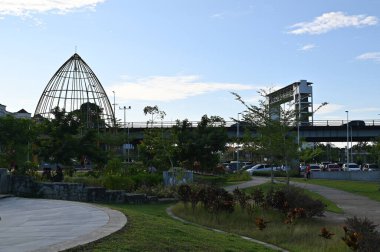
(3, 111)
(19, 114)
(22, 114)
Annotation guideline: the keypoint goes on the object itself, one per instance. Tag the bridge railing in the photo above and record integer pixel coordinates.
(169, 124)
(369, 122)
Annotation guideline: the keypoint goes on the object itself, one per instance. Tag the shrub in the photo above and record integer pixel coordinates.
(135, 168)
(114, 167)
(146, 179)
(295, 198)
(160, 191)
(29, 169)
(196, 195)
(326, 233)
(291, 173)
(289, 198)
(88, 181)
(361, 235)
(184, 192)
(218, 200)
(258, 196)
(115, 182)
(277, 200)
(210, 180)
(240, 197)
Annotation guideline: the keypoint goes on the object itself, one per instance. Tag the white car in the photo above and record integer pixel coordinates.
(351, 167)
(261, 167)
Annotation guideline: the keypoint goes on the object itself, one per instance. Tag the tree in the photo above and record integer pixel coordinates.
(375, 151)
(61, 140)
(201, 145)
(155, 113)
(310, 155)
(16, 136)
(89, 116)
(158, 148)
(275, 140)
(159, 144)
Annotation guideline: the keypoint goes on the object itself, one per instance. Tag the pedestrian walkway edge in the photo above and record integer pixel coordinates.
(116, 221)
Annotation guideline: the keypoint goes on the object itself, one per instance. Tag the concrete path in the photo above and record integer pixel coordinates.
(254, 182)
(351, 204)
(53, 225)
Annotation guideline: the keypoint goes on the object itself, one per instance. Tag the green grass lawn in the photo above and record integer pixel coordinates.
(303, 235)
(364, 188)
(149, 228)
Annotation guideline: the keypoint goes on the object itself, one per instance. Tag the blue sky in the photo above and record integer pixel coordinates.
(187, 56)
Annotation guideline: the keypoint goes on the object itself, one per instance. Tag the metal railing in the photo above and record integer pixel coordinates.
(169, 124)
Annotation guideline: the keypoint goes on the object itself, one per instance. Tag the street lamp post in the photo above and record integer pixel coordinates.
(114, 108)
(237, 141)
(125, 109)
(347, 153)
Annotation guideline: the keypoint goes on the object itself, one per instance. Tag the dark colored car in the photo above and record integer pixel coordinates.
(355, 123)
(333, 167)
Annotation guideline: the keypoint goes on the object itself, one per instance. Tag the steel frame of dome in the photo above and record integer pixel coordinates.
(73, 85)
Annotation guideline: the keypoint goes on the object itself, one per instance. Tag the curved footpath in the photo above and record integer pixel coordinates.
(53, 225)
(351, 204)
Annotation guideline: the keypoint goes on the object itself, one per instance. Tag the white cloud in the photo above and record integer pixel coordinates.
(332, 21)
(220, 15)
(375, 56)
(26, 8)
(307, 47)
(365, 110)
(170, 88)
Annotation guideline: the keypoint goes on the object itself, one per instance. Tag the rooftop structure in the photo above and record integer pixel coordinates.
(20, 114)
(300, 94)
(75, 88)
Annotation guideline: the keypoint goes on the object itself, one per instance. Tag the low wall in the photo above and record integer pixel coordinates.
(4, 181)
(345, 175)
(24, 186)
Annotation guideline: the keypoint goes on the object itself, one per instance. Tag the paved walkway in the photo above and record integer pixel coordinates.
(351, 204)
(53, 225)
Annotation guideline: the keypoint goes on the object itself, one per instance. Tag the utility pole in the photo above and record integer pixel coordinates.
(125, 109)
(237, 142)
(347, 152)
(114, 109)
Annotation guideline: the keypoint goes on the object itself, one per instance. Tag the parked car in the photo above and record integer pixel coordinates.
(323, 166)
(370, 167)
(233, 165)
(315, 167)
(333, 167)
(351, 167)
(261, 167)
(245, 167)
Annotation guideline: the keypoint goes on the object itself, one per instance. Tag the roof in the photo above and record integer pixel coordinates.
(22, 111)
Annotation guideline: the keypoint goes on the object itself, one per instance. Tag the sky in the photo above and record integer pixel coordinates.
(187, 57)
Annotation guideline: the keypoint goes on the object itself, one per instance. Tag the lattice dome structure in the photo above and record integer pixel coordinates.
(75, 88)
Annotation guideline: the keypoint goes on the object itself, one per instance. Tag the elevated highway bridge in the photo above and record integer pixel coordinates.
(316, 131)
